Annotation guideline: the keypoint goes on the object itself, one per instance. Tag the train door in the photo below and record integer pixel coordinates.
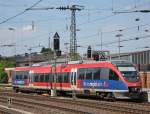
(73, 80)
(30, 75)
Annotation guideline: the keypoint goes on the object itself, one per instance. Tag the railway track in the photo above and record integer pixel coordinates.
(118, 107)
(34, 104)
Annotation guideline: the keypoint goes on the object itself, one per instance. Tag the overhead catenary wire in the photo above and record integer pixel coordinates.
(123, 29)
(125, 40)
(113, 31)
(109, 16)
(95, 19)
(27, 9)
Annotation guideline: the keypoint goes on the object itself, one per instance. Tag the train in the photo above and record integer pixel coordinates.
(116, 79)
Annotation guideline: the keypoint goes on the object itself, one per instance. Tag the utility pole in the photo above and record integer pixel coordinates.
(30, 56)
(49, 38)
(119, 35)
(73, 40)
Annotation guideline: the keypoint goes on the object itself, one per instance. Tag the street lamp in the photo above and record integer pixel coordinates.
(119, 35)
(13, 30)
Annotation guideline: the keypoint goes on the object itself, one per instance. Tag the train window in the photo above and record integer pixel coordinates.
(20, 77)
(66, 77)
(42, 78)
(104, 74)
(26, 73)
(59, 78)
(51, 77)
(96, 74)
(13, 75)
(46, 78)
(25, 76)
(56, 77)
(113, 75)
(89, 72)
(75, 76)
(36, 78)
(17, 77)
(81, 73)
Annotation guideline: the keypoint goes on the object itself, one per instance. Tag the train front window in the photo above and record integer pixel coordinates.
(129, 73)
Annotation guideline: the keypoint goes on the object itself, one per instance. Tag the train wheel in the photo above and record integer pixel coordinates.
(102, 95)
(49, 92)
(87, 92)
(17, 90)
(110, 97)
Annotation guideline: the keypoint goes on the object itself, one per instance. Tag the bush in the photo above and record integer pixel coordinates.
(3, 77)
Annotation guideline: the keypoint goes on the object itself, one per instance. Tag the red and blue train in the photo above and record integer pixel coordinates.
(112, 79)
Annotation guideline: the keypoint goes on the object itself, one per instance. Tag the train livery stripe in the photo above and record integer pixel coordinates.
(103, 84)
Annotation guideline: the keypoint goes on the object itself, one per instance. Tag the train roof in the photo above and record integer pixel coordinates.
(41, 69)
(121, 63)
(28, 68)
(74, 64)
(22, 68)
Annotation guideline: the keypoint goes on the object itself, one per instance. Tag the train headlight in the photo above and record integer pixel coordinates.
(137, 77)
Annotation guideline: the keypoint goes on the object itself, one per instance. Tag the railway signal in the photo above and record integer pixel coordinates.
(89, 52)
(56, 44)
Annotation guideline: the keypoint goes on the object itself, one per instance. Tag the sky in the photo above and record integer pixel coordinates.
(96, 22)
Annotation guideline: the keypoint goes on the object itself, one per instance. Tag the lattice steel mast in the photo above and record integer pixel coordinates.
(73, 40)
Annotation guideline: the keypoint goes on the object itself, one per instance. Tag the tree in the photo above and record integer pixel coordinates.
(47, 51)
(5, 63)
(3, 77)
(75, 56)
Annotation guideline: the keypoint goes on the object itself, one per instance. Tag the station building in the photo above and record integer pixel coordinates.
(140, 58)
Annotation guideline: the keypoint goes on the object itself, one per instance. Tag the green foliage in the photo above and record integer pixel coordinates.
(3, 77)
(75, 56)
(5, 63)
(47, 51)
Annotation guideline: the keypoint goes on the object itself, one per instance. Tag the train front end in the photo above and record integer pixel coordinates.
(130, 77)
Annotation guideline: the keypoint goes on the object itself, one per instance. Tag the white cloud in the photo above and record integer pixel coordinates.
(28, 28)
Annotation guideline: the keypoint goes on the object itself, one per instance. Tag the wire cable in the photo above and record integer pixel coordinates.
(10, 18)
